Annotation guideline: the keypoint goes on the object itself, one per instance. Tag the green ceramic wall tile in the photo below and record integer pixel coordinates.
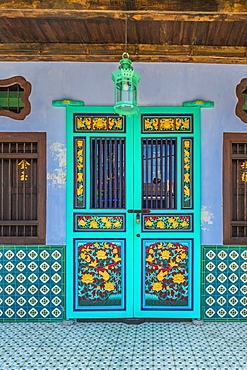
(224, 283)
(32, 283)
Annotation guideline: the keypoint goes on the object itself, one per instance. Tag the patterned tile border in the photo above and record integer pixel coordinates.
(32, 283)
(224, 283)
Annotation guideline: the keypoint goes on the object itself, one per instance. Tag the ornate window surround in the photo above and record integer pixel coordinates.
(26, 86)
(235, 188)
(241, 87)
(23, 188)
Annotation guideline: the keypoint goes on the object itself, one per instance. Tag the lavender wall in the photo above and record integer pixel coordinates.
(160, 84)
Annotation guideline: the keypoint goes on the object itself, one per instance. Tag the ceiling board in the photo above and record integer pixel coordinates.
(97, 35)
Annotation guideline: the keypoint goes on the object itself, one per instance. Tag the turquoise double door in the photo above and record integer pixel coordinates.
(133, 213)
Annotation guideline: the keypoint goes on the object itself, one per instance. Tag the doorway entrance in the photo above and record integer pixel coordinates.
(133, 213)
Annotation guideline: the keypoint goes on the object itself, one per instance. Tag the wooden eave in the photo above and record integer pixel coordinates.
(100, 36)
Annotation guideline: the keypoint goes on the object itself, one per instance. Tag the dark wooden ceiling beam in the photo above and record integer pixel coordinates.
(112, 53)
(164, 5)
(96, 35)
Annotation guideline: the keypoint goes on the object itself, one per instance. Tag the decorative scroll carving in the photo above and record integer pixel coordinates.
(167, 124)
(80, 172)
(187, 173)
(171, 222)
(97, 222)
(87, 123)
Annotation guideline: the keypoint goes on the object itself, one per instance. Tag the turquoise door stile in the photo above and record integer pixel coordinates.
(133, 213)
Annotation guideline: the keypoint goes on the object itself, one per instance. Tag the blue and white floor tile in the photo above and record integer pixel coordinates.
(98, 345)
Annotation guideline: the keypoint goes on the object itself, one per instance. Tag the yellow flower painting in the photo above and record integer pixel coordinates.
(160, 225)
(87, 278)
(165, 255)
(178, 278)
(101, 255)
(100, 222)
(157, 287)
(93, 224)
(166, 222)
(109, 286)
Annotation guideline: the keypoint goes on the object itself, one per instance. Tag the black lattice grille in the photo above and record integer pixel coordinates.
(108, 173)
(158, 173)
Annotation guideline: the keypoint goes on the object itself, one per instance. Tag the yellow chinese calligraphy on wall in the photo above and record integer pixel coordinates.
(244, 176)
(244, 164)
(23, 166)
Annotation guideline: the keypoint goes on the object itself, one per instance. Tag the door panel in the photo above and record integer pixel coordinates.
(167, 240)
(133, 232)
(101, 274)
(165, 273)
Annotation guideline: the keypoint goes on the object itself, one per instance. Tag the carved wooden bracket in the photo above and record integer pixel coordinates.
(241, 107)
(19, 96)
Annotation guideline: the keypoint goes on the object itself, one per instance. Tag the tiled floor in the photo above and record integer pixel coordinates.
(114, 345)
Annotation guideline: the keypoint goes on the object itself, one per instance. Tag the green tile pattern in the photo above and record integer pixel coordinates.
(224, 283)
(32, 283)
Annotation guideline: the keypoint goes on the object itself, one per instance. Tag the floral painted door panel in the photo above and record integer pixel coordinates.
(133, 233)
(100, 274)
(166, 274)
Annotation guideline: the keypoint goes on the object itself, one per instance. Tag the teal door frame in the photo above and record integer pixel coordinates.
(134, 238)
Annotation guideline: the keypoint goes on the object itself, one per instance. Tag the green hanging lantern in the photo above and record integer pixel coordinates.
(126, 87)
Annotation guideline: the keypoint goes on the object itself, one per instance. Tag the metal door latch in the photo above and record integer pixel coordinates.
(138, 211)
(138, 218)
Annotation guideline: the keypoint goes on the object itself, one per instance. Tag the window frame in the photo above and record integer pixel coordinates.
(230, 138)
(40, 139)
(240, 88)
(27, 87)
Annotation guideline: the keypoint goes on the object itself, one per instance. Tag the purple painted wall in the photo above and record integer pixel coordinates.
(161, 84)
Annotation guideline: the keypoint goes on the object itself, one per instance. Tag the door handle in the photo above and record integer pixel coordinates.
(138, 211)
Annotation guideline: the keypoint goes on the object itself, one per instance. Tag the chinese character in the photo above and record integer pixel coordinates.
(244, 176)
(23, 176)
(23, 166)
(244, 164)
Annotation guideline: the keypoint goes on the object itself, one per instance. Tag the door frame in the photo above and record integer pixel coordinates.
(134, 255)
